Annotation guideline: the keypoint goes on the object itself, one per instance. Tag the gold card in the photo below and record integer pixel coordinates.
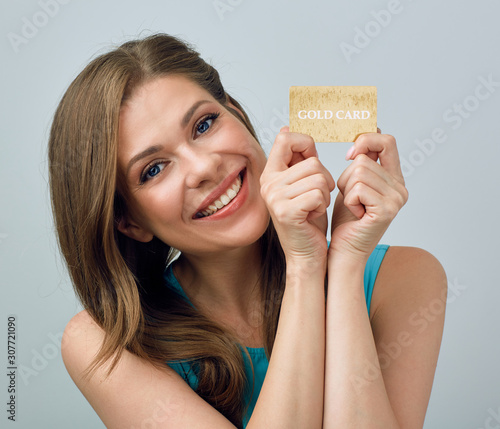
(333, 113)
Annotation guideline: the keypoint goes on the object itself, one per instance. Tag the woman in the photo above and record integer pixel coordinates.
(202, 266)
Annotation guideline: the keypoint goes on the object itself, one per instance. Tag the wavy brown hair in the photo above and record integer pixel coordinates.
(118, 280)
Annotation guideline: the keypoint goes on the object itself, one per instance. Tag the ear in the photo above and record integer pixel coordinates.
(132, 230)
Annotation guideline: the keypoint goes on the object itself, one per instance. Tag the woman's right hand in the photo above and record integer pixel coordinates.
(296, 188)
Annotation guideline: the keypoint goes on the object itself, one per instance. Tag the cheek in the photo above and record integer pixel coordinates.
(260, 158)
(159, 206)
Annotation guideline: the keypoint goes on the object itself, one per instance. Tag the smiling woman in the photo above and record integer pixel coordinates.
(112, 95)
(202, 266)
(177, 150)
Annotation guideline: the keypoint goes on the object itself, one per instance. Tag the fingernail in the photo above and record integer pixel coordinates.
(349, 153)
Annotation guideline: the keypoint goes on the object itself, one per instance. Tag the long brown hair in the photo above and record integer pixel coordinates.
(119, 280)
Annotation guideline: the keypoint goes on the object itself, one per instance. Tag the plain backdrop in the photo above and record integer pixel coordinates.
(437, 69)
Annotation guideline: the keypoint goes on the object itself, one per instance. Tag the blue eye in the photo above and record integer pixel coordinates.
(152, 171)
(205, 124)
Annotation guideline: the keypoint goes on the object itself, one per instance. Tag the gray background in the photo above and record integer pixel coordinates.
(428, 58)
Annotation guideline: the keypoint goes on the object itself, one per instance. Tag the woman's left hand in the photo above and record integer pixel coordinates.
(371, 194)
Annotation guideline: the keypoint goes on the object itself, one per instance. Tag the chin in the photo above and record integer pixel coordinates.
(245, 233)
(251, 231)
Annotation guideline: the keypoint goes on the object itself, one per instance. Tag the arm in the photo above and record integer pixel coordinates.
(364, 385)
(136, 394)
(355, 394)
(292, 393)
(296, 188)
(381, 375)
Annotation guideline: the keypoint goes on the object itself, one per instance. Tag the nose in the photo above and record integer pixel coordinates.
(201, 166)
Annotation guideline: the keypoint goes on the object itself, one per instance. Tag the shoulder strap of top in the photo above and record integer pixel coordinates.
(371, 271)
(173, 284)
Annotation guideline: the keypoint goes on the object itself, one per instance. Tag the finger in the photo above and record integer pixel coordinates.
(297, 210)
(285, 146)
(308, 205)
(316, 215)
(379, 130)
(396, 195)
(381, 145)
(369, 178)
(306, 168)
(307, 184)
(365, 170)
(296, 158)
(361, 198)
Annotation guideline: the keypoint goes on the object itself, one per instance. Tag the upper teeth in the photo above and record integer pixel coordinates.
(223, 200)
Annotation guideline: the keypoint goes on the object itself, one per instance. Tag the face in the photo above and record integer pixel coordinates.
(190, 170)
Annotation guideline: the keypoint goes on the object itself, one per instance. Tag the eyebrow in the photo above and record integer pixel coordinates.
(187, 117)
(149, 151)
(156, 148)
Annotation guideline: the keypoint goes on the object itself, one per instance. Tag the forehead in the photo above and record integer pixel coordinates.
(164, 93)
(156, 108)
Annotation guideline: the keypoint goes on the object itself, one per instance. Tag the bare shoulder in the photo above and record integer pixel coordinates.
(81, 339)
(136, 393)
(408, 274)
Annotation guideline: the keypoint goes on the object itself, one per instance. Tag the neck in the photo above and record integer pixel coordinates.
(227, 282)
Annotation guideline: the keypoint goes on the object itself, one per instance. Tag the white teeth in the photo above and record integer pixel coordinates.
(223, 200)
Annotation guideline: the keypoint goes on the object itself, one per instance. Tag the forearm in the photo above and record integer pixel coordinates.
(292, 393)
(355, 395)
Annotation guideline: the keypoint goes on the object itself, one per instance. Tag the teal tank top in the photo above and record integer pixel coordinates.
(187, 370)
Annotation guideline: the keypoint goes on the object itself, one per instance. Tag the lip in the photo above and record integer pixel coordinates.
(217, 192)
